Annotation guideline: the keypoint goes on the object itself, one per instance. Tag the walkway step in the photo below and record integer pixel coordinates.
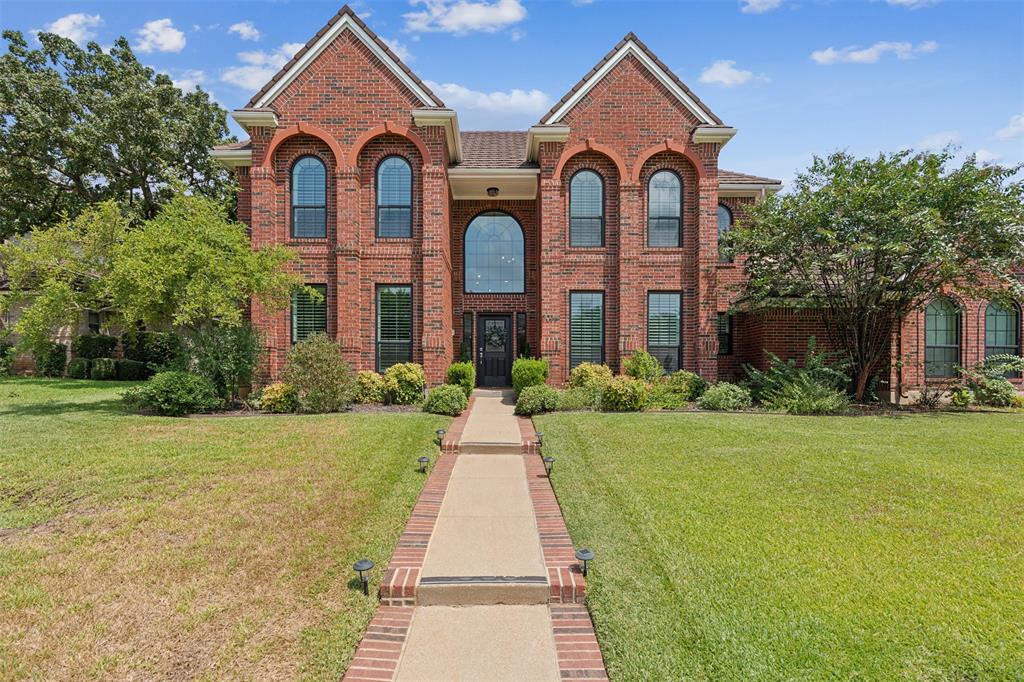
(482, 590)
(470, 448)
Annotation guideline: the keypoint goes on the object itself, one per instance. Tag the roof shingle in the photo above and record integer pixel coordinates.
(494, 149)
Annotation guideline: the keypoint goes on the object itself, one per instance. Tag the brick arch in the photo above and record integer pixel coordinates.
(388, 127)
(668, 145)
(590, 145)
(302, 129)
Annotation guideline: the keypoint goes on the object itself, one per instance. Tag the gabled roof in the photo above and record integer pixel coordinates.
(345, 18)
(735, 178)
(631, 45)
(494, 149)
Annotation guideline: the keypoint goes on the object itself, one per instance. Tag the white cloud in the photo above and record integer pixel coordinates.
(399, 49)
(985, 156)
(940, 140)
(259, 66)
(912, 4)
(188, 79)
(246, 30)
(1013, 130)
(463, 16)
(78, 27)
(160, 35)
(514, 101)
(871, 55)
(759, 6)
(723, 72)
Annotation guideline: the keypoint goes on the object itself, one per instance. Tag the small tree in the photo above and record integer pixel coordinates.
(867, 241)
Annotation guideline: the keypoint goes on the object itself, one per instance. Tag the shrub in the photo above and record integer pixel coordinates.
(665, 396)
(279, 398)
(6, 357)
(961, 396)
(995, 392)
(805, 396)
(528, 372)
(159, 351)
(820, 368)
(50, 359)
(725, 396)
(687, 383)
(446, 399)
(930, 398)
(1018, 402)
(102, 369)
(404, 383)
(173, 394)
(624, 394)
(227, 356)
(643, 366)
(92, 346)
(462, 374)
(589, 375)
(371, 388)
(536, 399)
(78, 368)
(129, 370)
(988, 381)
(323, 381)
(574, 399)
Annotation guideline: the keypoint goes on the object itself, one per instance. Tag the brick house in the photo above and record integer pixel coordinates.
(589, 235)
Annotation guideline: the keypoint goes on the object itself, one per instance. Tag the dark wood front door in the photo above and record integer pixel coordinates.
(494, 350)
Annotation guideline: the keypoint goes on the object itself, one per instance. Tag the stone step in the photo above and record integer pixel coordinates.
(481, 590)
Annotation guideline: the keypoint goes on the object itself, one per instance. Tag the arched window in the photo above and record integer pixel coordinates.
(724, 225)
(942, 338)
(394, 198)
(586, 209)
(664, 209)
(1002, 329)
(494, 255)
(309, 198)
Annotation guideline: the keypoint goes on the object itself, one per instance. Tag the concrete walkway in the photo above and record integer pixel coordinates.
(482, 600)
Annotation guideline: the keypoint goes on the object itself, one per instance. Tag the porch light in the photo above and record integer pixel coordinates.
(492, 191)
(424, 461)
(549, 464)
(585, 555)
(364, 565)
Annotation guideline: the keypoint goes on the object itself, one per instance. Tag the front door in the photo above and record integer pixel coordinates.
(494, 350)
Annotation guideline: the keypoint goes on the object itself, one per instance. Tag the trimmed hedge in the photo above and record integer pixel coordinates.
(528, 372)
(405, 383)
(725, 396)
(6, 357)
(536, 399)
(129, 370)
(590, 375)
(159, 351)
(92, 346)
(102, 369)
(51, 360)
(371, 389)
(78, 368)
(446, 399)
(462, 374)
(279, 398)
(624, 394)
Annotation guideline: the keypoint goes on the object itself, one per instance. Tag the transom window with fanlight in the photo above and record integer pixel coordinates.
(586, 209)
(394, 197)
(495, 255)
(309, 198)
(664, 209)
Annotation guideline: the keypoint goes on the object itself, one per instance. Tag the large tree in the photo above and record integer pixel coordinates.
(79, 126)
(866, 241)
(190, 268)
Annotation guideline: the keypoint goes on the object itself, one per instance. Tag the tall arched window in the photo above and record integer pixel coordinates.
(394, 197)
(724, 225)
(664, 209)
(494, 255)
(942, 338)
(586, 209)
(1002, 329)
(309, 198)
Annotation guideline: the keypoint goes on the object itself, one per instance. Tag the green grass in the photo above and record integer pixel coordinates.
(737, 547)
(148, 547)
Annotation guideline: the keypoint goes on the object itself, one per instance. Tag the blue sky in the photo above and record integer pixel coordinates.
(796, 77)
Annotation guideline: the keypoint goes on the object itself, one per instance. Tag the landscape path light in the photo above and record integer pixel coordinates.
(585, 555)
(363, 567)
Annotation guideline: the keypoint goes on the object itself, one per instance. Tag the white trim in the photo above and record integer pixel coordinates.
(490, 173)
(632, 48)
(313, 52)
(247, 118)
(450, 121)
(232, 158)
(512, 183)
(738, 189)
(544, 133)
(713, 134)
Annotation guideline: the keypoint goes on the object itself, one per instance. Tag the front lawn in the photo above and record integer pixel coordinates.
(212, 547)
(736, 547)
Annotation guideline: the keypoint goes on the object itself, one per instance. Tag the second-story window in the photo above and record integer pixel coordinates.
(724, 225)
(394, 198)
(586, 209)
(664, 209)
(309, 198)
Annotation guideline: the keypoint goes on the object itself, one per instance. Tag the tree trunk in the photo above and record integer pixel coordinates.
(863, 375)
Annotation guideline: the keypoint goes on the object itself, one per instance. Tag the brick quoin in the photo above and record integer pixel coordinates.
(351, 109)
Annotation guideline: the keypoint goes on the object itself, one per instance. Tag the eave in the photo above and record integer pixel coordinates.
(558, 132)
(232, 158)
(511, 183)
(449, 121)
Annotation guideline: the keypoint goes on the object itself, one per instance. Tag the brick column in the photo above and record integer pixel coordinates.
(273, 326)
(632, 240)
(437, 276)
(348, 310)
(554, 317)
(707, 266)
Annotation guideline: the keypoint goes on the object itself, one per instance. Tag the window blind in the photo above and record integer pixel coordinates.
(586, 327)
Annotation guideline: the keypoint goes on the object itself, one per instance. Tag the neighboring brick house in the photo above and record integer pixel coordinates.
(590, 235)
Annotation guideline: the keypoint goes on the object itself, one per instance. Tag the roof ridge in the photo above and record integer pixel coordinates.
(345, 10)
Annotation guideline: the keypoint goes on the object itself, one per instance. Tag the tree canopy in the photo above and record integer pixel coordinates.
(867, 241)
(81, 126)
(190, 267)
